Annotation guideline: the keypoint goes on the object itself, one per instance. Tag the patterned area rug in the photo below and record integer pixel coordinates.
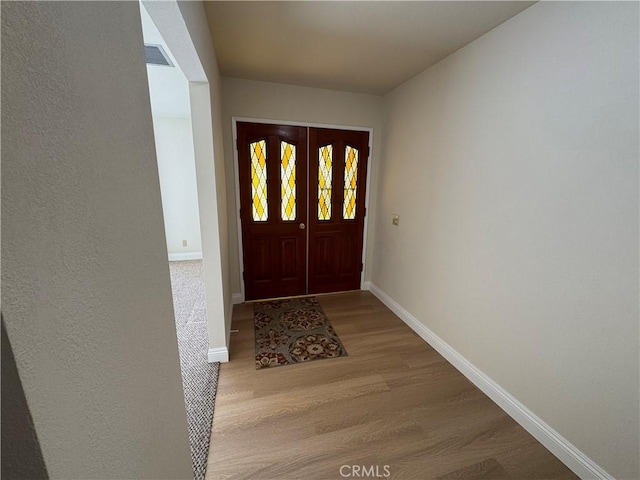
(293, 330)
(199, 378)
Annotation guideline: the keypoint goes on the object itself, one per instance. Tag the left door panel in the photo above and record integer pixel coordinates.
(272, 165)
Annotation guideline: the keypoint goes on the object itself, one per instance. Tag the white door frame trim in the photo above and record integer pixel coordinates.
(234, 129)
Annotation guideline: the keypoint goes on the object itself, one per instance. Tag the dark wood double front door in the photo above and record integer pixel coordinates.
(302, 208)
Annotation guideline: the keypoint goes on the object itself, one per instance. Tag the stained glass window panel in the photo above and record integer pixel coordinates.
(288, 180)
(350, 183)
(325, 172)
(259, 180)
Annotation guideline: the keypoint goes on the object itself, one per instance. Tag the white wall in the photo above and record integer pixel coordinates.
(86, 292)
(513, 164)
(176, 168)
(184, 27)
(168, 86)
(273, 101)
(196, 22)
(173, 132)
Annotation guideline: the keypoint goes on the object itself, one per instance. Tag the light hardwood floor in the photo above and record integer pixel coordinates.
(393, 401)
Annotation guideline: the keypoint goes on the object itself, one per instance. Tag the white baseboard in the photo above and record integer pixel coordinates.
(366, 285)
(237, 298)
(180, 257)
(567, 453)
(220, 354)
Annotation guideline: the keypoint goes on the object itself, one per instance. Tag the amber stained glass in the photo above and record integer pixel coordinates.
(350, 183)
(259, 180)
(325, 172)
(288, 180)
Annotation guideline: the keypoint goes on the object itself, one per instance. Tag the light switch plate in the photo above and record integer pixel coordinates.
(184, 243)
(396, 219)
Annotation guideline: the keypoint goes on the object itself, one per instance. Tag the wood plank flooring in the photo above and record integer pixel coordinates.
(394, 401)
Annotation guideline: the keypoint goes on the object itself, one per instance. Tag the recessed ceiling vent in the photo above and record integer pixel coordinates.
(156, 55)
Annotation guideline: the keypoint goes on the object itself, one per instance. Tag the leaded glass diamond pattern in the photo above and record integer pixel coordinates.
(325, 172)
(288, 180)
(350, 183)
(259, 180)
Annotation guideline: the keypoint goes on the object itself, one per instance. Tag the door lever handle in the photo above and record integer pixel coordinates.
(302, 226)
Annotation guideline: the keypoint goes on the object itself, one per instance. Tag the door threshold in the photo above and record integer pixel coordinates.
(303, 296)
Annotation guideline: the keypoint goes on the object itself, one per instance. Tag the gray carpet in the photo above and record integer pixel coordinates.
(199, 378)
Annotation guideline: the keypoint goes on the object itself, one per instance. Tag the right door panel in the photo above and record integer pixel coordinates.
(337, 181)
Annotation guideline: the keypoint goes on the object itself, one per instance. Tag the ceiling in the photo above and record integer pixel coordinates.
(362, 46)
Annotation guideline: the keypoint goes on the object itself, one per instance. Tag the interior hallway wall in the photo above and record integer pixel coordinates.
(513, 165)
(278, 102)
(173, 133)
(184, 27)
(20, 449)
(86, 292)
(176, 167)
(196, 22)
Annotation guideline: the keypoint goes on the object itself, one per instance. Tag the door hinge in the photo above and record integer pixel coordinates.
(361, 267)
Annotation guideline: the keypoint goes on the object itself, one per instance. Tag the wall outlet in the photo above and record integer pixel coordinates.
(184, 243)
(396, 219)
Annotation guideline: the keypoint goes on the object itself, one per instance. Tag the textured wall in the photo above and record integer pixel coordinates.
(21, 453)
(273, 101)
(513, 165)
(86, 293)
